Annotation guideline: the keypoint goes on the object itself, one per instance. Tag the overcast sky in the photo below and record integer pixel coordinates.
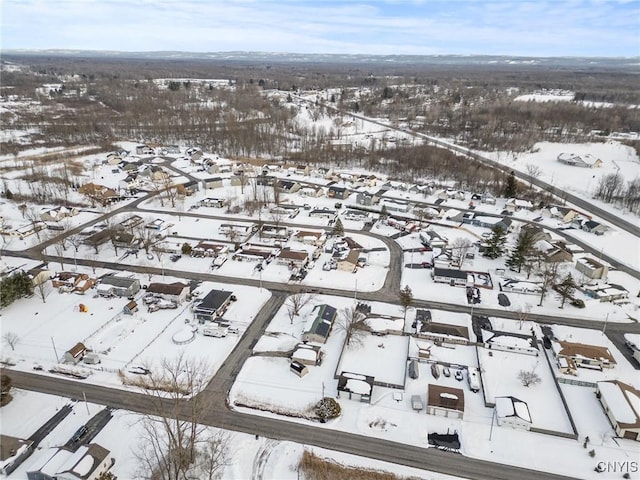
(510, 27)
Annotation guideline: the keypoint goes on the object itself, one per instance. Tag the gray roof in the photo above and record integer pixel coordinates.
(120, 282)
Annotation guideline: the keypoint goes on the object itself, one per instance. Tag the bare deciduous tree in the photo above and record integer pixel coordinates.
(173, 444)
(353, 323)
(295, 303)
(459, 249)
(529, 377)
(549, 274)
(11, 339)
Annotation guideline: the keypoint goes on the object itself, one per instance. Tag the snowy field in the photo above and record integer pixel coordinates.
(499, 372)
(46, 330)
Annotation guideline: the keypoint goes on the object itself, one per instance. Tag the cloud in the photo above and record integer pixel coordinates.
(541, 27)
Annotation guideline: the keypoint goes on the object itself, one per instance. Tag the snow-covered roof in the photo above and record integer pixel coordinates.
(620, 402)
(512, 407)
(305, 354)
(358, 386)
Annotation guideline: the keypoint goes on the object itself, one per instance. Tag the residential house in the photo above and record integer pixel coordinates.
(606, 292)
(39, 275)
(191, 187)
(592, 268)
(208, 249)
(339, 193)
(510, 342)
(584, 161)
(319, 323)
(75, 354)
(212, 182)
(274, 232)
(367, 198)
(621, 404)
(395, 205)
(288, 186)
(71, 281)
(292, 258)
(512, 412)
(537, 233)
(87, 462)
(176, 291)
(552, 253)
(130, 182)
(357, 215)
(58, 213)
(580, 355)
(289, 210)
(455, 278)
(213, 305)
(171, 149)
(311, 238)
(594, 227)
(492, 222)
(124, 240)
(352, 244)
(118, 286)
(442, 332)
(144, 150)
(517, 204)
(99, 193)
(311, 191)
(355, 386)
(562, 213)
(445, 401)
(350, 262)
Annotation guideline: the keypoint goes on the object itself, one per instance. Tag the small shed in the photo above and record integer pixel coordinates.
(299, 369)
(75, 354)
(130, 308)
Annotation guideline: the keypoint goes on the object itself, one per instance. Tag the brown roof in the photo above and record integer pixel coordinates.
(175, 288)
(445, 329)
(628, 391)
(77, 349)
(10, 445)
(570, 349)
(352, 257)
(293, 255)
(352, 244)
(440, 396)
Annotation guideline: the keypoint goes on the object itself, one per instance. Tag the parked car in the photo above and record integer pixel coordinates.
(446, 372)
(79, 433)
(458, 375)
(175, 258)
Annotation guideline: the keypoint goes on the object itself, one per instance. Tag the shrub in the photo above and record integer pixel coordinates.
(328, 408)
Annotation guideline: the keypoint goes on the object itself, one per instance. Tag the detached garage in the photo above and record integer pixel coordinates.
(445, 401)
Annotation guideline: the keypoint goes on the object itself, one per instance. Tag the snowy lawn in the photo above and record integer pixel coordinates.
(499, 372)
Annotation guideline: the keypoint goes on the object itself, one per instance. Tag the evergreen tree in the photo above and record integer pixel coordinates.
(14, 287)
(521, 252)
(566, 288)
(495, 243)
(405, 296)
(511, 188)
(338, 229)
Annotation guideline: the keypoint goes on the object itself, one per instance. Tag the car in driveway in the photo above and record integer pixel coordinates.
(446, 372)
(79, 433)
(458, 375)
(503, 300)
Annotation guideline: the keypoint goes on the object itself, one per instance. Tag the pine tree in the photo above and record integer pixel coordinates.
(566, 288)
(511, 188)
(495, 243)
(405, 296)
(338, 229)
(521, 252)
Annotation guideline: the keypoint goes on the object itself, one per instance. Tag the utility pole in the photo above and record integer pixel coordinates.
(606, 319)
(54, 350)
(493, 414)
